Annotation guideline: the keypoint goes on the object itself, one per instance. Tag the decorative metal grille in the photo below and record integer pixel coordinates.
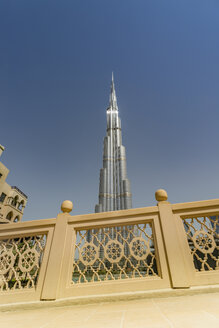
(20, 261)
(114, 253)
(203, 239)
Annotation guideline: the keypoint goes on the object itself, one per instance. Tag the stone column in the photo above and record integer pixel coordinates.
(173, 248)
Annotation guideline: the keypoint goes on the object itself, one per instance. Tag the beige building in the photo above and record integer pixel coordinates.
(12, 199)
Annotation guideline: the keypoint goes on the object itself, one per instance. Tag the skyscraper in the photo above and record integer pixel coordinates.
(114, 188)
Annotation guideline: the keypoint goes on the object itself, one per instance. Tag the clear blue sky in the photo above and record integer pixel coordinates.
(56, 59)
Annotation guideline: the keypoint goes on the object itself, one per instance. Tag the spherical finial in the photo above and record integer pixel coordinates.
(67, 206)
(161, 195)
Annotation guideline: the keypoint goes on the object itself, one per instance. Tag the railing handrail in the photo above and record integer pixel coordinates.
(113, 215)
(27, 224)
(211, 203)
(178, 207)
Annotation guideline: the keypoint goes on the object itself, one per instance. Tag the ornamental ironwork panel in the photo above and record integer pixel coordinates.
(20, 261)
(113, 253)
(203, 239)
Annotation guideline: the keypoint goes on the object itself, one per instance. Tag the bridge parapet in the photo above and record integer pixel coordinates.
(150, 248)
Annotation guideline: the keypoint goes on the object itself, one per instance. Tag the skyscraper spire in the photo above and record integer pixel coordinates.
(113, 100)
(114, 189)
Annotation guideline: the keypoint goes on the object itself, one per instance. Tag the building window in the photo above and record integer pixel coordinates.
(9, 216)
(20, 207)
(14, 201)
(2, 197)
(0, 175)
(17, 219)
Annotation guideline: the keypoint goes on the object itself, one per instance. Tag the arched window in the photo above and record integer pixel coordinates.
(9, 216)
(14, 201)
(17, 219)
(20, 207)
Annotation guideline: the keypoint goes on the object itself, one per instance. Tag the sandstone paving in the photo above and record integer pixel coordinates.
(193, 311)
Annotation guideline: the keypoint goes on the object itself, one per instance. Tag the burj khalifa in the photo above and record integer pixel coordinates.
(114, 188)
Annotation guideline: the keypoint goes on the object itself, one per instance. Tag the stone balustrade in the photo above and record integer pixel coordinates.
(166, 246)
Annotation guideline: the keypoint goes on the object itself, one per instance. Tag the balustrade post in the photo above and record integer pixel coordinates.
(173, 248)
(52, 276)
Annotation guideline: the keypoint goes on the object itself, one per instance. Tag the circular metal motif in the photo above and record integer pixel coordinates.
(204, 241)
(88, 254)
(7, 260)
(139, 248)
(114, 251)
(28, 260)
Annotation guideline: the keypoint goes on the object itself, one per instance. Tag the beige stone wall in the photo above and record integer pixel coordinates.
(12, 206)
